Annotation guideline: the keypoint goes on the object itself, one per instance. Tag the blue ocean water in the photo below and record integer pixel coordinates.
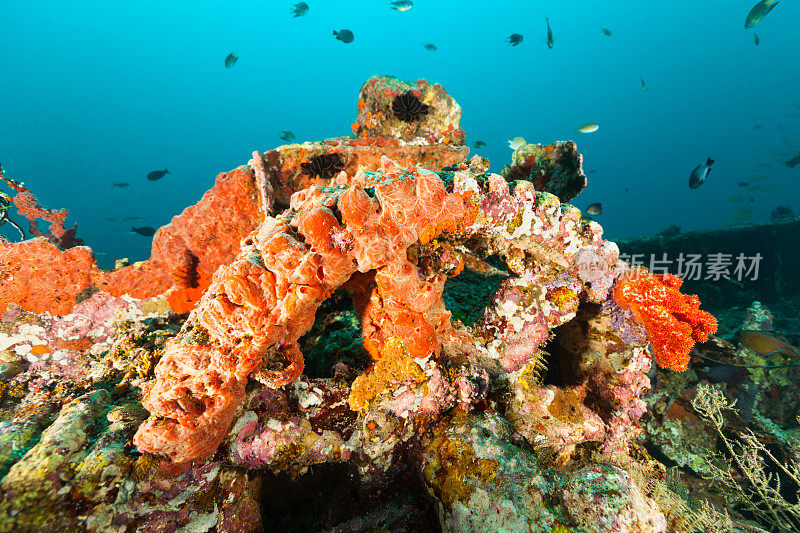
(98, 92)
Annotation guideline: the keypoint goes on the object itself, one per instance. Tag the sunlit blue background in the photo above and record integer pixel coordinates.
(98, 92)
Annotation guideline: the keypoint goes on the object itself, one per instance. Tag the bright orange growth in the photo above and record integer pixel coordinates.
(673, 320)
(38, 276)
(256, 308)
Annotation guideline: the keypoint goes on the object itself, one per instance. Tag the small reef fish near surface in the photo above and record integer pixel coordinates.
(430, 47)
(591, 127)
(144, 231)
(595, 209)
(479, 144)
(607, 32)
(550, 40)
(121, 184)
(699, 174)
(231, 60)
(401, 5)
(157, 174)
(514, 39)
(287, 135)
(516, 143)
(299, 9)
(346, 36)
(759, 11)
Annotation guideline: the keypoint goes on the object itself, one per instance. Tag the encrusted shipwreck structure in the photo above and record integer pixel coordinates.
(521, 419)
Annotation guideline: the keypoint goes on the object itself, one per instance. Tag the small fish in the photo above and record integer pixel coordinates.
(514, 39)
(755, 39)
(430, 47)
(592, 171)
(299, 9)
(157, 174)
(144, 231)
(742, 184)
(723, 373)
(644, 85)
(699, 174)
(479, 144)
(287, 136)
(758, 126)
(793, 162)
(121, 184)
(550, 40)
(588, 128)
(516, 143)
(231, 60)
(595, 209)
(764, 343)
(759, 11)
(346, 36)
(401, 5)
(607, 32)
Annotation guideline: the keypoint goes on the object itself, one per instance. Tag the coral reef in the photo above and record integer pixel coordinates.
(519, 413)
(555, 168)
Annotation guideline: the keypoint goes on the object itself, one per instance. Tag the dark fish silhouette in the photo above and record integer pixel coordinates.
(430, 47)
(756, 39)
(287, 135)
(126, 219)
(793, 162)
(157, 174)
(607, 32)
(121, 184)
(144, 231)
(231, 60)
(346, 36)
(723, 373)
(699, 174)
(550, 40)
(299, 9)
(479, 144)
(514, 39)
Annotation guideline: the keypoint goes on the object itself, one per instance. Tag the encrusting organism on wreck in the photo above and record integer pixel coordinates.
(402, 212)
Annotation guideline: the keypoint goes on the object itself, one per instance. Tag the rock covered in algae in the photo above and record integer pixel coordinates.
(486, 479)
